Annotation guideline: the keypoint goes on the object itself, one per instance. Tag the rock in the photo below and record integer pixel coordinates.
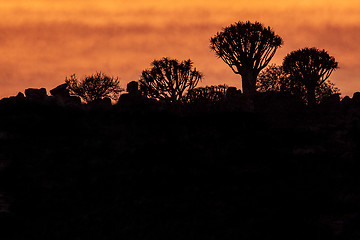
(346, 100)
(36, 94)
(14, 99)
(132, 87)
(20, 95)
(133, 99)
(62, 96)
(232, 92)
(60, 91)
(356, 98)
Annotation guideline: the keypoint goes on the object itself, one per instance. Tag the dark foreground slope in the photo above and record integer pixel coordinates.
(109, 174)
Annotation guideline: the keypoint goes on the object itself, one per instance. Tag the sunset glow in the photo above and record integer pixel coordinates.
(44, 41)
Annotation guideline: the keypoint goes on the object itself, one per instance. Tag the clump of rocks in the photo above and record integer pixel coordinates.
(36, 94)
(60, 95)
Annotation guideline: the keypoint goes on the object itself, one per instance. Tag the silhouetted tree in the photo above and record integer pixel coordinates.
(311, 67)
(274, 79)
(168, 79)
(247, 48)
(94, 87)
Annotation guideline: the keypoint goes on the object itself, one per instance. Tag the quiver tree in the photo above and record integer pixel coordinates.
(168, 79)
(247, 48)
(311, 67)
(94, 87)
(274, 79)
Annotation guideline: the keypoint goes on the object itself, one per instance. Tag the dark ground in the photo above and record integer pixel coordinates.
(108, 174)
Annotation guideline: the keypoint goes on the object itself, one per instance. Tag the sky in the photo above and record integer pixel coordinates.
(44, 41)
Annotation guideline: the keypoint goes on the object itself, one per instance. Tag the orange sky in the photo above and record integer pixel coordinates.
(43, 41)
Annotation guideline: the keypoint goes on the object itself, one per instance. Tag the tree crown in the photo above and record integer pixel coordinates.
(246, 46)
(93, 87)
(274, 79)
(311, 66)
(168, 79)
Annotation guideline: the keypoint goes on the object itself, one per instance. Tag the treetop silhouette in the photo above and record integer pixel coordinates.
(247, 48)
(168, 79)
(94, 87)
(274, 79)
(311, 67)
(207, 94)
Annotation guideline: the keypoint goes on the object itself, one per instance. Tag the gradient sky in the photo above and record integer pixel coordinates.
(43, 41)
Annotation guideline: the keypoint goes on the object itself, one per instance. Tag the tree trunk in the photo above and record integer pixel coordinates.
(249, 87)
(311, 96)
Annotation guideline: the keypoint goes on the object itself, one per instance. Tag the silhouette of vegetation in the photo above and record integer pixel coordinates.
(208, 94)
(247, 48)
(169, 79)
(274, 79)
(204, 168)
(94, 87)
(311, 67)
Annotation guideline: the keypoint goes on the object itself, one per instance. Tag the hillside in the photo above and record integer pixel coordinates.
(179, 173)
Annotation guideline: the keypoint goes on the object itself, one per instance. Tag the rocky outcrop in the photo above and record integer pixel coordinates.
(60, 91)
(62, 96)
(133, 100)
(36, 94)
(20, 97)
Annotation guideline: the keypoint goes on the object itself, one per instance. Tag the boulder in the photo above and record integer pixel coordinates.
(232, 92)
(132, 87)
(20, 96)
(60, 91)
(356, 98)
(36, 94)
(133, 98)
(61, 95)
(346, 100)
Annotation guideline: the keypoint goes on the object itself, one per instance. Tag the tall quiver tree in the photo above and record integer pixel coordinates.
(311, 67)
(247, 48)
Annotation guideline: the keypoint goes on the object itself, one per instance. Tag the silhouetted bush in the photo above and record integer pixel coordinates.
(208, 94)
(168, 79)
(274, 79)
(94, 87)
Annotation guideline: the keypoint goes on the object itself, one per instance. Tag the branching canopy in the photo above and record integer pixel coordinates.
(94, 87)
(246, 46)
(274, 79)
(310, 66)
(168, 79)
